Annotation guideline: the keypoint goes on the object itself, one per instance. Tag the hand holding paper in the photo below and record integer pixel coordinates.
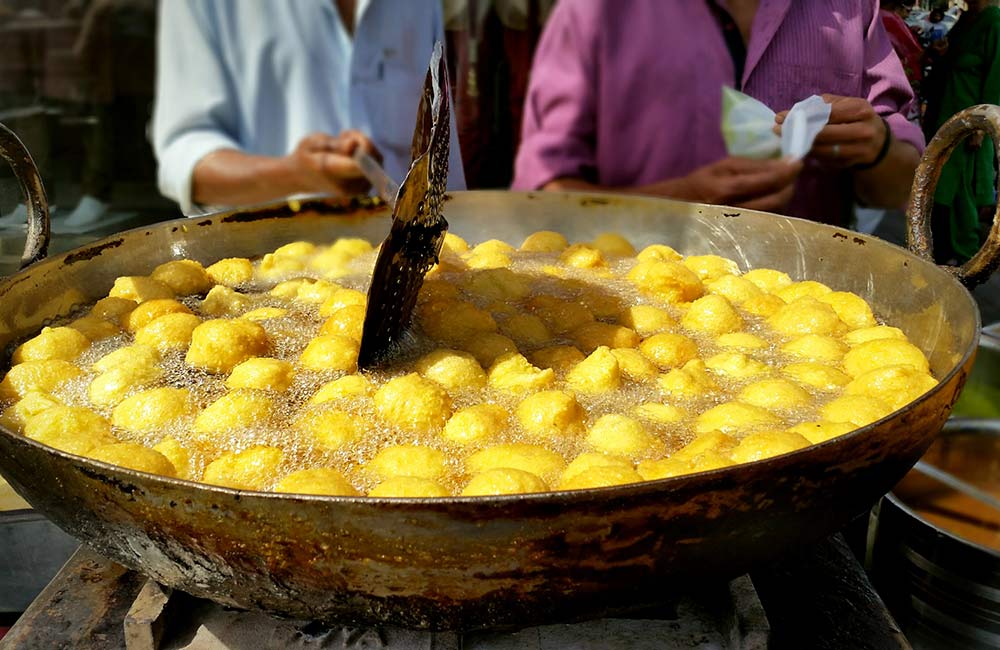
(748, 126)
(854, 135)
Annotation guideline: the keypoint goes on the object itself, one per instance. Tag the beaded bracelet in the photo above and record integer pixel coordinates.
(882, 153)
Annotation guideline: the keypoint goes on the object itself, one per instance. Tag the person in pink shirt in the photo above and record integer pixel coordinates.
(626, 96)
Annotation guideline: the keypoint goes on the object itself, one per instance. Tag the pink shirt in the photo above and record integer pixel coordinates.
(628, 92)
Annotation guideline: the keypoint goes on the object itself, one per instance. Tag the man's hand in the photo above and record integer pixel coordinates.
(854, 135)
(745, 182)
(324, 163)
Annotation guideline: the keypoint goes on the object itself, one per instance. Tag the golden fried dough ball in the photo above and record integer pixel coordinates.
(503, 480)
(884, 352)
(475, 423)
(814, 347)
(654, 470)
(736, 365)
(322, 480)
(660, 413)
(689, 381)
(413, 403)
(712, 314)
(498, 284)
(262, 373)
(328, 427)
(347, 321)
(409, 460)
(560, 358)
(817, 375)
(137, 354)
(658, 253)
(331, 352)
(634, 365)
(526, 329)
(735, 416)
(598, 373)
(803, 289)
(764, 305)
(408, 487)
(452, 369)
(250, 469)
(766, 444)
(352, 246)
(590, 459)
(152, 409)
(95, 328)
(488, 347)
(347, 387)
(296, 249)
(709, 441)
(513, 373)
(264, 313)
(582, 256)
(591, 336)
(72, 429)
(32, 404)
(44, 376)
(237, 409)
(343, 298)
(647, 320)
(528, 458)
(454, 244)
(817, 432)
(897, 386)
(669, 350)
(669, 281)
(544, 241)
(289, 289)
(184, 277)
(218, 345)
(806, 315)
(711, 267)
(851, 308)
(231, 271)
(865, 334)
(113, 309)
(768, 280)
(150, 310)
(273, 267)
(856, 409)
(491, 254)
(733, 288)
(169, 332)
(551, 413)
(178, 455)
(140, 288)
(113, 385)
(561, 316)
(316, 293)
(775, 394)
(612, 244)
(133, 456)
(63, 343)
(741, 341)
(456, 321)
(620, 435)
(223, 301)
(601, 476)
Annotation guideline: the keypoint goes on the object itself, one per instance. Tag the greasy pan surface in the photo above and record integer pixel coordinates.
(489, 561)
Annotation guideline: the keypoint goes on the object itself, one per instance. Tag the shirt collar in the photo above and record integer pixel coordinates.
(770, 15)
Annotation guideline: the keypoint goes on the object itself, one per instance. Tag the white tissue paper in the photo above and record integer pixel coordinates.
(748, 126)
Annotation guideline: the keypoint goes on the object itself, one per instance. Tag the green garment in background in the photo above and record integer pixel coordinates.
(970, 75)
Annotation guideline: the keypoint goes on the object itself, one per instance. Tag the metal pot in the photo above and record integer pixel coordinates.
(469, 562)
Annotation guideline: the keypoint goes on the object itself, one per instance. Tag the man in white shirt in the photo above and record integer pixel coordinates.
(257, 100)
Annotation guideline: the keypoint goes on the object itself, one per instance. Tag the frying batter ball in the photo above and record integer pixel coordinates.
(736, 365)
(582, 256)
(133, 456)
(237, 409)
(735, 416)
(591, 336)
(251, 469)
(261, 373)
(806, 315)
(689, 382)
(544, 241)
(775, 394)
(328, 427)
(634, 365)
(413, 403)
(589, 459)
(711, 267)
(72, 429)
(52, 343)
(534, 459)
(814, 347)
(817, 432)
(561, 316)
(550, 414)
(169, 332)
(140, 288)
(803, 289)
(15, 416)
(409, 460)
(321, 480)
(221, 301)
(620, 435)
(671, 282)
(95, 328)
(348, 387)
(859, 410)
(817, 375)
(601, 476)
(45, 376)
(735, 289)
(452, 369)
(331, 352)
(851, 309)
(503, 480)
(497, 284)
(152, 409)
(881, 353)
(647, 320)
(769, 280)
(218, 345)
(231, 272)
(348, 321)
(179, 456)
(184, 277)
(526, 329)
(513, 373)
(476, 423)
(598, 373)
(712, 314)
(765, 444)
(669, 350)
(408, 487)
(897, 386)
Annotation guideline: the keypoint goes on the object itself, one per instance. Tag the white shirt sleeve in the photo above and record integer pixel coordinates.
(196, 110)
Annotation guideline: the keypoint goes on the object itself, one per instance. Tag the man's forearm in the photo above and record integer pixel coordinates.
(887, 185)
(231, 177)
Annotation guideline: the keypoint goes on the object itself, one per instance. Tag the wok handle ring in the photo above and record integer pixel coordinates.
(12, 150)
(919, 239)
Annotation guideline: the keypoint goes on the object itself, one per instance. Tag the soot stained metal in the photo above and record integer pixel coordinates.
(417, 230)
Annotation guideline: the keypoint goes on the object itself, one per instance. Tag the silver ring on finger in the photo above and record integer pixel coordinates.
(836, 151)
